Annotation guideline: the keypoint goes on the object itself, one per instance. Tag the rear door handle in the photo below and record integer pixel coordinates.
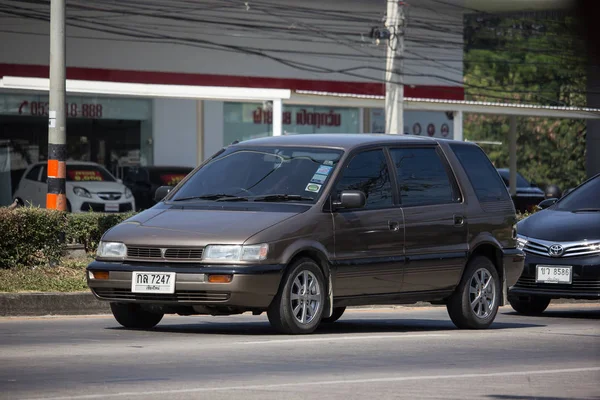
(394, 225)
(459, 220)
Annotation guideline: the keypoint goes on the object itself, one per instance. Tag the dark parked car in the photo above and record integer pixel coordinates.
(303, 226)
(562, 247)
(528, 194)
(143, 182)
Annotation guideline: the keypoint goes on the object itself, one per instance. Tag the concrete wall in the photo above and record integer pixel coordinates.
(175, 132)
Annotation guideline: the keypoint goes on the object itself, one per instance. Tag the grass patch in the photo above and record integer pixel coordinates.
(68, 277)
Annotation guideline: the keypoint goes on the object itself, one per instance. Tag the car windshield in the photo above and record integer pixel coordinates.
(282, 174)
(521, 182)
(88, 173)
(584, 198)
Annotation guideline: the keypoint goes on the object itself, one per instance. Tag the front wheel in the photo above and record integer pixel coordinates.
(298, 306)
(529, 305)
(133, 316)
(474, 303)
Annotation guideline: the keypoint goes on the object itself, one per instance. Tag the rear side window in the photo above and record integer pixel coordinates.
(368, 172)
(422, 177)
(34, 174)
(483, 176)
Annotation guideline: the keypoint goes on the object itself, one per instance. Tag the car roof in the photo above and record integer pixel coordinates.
(338, 140)
(70, 162)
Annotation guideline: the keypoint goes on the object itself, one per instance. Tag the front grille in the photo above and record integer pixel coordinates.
(170, 254)
(577, 284)
(143, 252)
(110, 195)
(178, 297)
(195, 254)
(571, 249)
(99, 207)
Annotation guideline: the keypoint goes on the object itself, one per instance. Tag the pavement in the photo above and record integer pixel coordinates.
(407, 352)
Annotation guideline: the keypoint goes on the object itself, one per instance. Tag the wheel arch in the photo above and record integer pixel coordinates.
(490, 248)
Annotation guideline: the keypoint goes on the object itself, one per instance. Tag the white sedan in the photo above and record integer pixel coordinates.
(89, 186)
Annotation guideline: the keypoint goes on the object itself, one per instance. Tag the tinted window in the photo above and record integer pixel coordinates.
(34, 174)
(521, 182)
(585, 197)
(422, 177)
(256, 172)
(483, 176)
(368, 172)
(87, 173)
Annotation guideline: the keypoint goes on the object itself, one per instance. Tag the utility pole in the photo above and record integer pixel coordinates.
(57, 132)
(394, 88)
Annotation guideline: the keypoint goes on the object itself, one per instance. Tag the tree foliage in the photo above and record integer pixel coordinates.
(528, 58)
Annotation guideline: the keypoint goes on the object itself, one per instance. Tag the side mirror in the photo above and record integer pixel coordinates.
(161, 193)
(350, 199)
(119, 180)
(546, 203)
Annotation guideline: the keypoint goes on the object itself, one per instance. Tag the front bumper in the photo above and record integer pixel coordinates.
(585, 282)
(252, 286)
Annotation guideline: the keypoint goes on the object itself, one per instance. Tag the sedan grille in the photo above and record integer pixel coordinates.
(561, 249)
(578, 283)
(162, 254)
(177, 297)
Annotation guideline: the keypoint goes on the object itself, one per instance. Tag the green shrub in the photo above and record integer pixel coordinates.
(31, 236)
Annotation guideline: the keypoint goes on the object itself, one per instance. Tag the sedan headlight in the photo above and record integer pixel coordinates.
(521, 242)
(114, 250)
(218, 252)
(128, 193)
(82, 192)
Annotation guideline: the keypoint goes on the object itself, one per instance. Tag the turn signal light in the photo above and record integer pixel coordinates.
(100, 274)
(220, 278)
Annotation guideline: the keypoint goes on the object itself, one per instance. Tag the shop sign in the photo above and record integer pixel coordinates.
(301, 117)
(77, 107)
(429, 123)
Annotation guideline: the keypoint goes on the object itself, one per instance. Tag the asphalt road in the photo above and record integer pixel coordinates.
(412, 353)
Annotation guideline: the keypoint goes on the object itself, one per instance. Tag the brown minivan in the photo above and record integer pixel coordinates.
(303, 226)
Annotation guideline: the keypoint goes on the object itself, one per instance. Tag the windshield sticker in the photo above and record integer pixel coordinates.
(328, 162)
(324, 170)
(82, 176)
(313, 187)
(171, 179)
(318, 178)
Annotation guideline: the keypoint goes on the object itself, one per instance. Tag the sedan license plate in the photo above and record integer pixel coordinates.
(153, 282)
(111, 207)
(554, 274)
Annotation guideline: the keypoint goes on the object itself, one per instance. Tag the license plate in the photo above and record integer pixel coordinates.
(111, 207)
(553, 274)
(153, 282)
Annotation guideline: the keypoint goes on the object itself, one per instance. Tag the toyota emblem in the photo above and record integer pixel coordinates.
(556, 250)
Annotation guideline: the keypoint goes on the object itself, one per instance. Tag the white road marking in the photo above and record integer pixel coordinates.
(338, 338)
(320, 383)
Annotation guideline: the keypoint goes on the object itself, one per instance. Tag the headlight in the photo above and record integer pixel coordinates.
(128, 193)
(217, 252)
(521, 242)
(81, 192)
(111, 250)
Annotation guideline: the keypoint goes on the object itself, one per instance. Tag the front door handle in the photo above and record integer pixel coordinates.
(459, 220)
(394, 226)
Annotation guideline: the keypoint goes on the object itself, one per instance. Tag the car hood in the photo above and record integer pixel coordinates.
(193, 227)
(98, 187)
(561, 226)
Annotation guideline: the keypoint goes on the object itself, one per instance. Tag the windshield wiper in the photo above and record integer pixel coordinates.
(586, 210)
(283, 197)
(216, 197)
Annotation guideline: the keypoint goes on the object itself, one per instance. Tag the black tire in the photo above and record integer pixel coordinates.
(337, 313)
(20, 203)
(529, 305)
(281, 313)
(133, 316)
(465, 316)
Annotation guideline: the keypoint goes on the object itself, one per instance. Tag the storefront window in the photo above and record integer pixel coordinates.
(245, 121)
(107, 131)
(424, 123)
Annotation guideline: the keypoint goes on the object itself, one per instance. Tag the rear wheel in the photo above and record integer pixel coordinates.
(529, 305)
(133, 316)
(474, 303)
(337, 313)
(298, 306)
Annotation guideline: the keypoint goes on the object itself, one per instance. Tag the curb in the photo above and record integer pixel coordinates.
(84, 303)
